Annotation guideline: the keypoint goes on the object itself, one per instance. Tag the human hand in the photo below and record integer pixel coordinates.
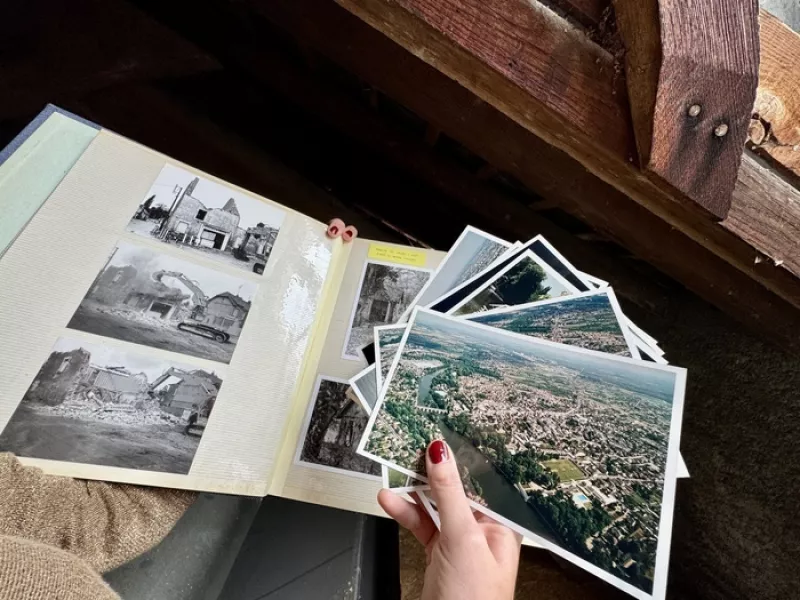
(473, 557)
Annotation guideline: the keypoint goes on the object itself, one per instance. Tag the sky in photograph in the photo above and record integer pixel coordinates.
(110, 356)
(210, 281)
(459, 260)
(592, 300)
(212, 195)
(659, 380)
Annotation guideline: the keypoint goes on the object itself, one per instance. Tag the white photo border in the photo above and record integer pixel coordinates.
(468, 229)
(377, 363)
(353, 382)
(670, 479)
(527, 255)
(304, 431)
(630, 339)
(367, 263)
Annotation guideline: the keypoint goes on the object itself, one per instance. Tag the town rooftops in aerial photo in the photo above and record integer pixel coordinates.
(566, 444)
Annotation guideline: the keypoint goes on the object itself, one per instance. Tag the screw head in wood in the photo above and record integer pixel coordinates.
(694, 110)
(721, 130)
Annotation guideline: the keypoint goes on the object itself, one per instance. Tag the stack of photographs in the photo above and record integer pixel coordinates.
(563, 415)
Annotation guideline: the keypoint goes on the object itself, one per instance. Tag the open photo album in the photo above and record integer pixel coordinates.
(162, 327)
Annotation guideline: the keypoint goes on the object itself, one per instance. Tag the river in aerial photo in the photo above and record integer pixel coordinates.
(500, 494)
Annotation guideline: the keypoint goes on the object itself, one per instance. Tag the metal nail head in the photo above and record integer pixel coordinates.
(694, 110)
(721, 130)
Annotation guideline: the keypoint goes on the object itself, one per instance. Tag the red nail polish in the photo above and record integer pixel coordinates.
(335, 228)
(438, 452)
(349, 233)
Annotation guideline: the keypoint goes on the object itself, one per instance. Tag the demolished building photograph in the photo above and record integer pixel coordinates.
(208, 219)
(99, 404)
(153, 299)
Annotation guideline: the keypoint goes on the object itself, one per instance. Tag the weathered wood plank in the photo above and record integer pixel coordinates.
(589, 13)
(764, 214)
(483, 73)
(533, 48)
(543, 168)
(692, 73)
(778, 101)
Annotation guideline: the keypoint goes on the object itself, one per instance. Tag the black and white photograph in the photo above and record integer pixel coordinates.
(101, 405)
(150, 298)
(573, 447)
(472, 252)
(384, 293)
(208, 219)
(333, 427)
(525, 279)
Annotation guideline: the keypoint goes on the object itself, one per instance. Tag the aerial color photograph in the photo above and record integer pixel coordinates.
(567, 444)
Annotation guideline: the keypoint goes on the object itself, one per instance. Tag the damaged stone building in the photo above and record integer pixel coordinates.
(67, 376)
(182, 393)
(192, 222)
(125, 287)
(226, 312)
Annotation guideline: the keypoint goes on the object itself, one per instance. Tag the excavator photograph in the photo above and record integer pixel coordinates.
(198, 321)
(156, 300)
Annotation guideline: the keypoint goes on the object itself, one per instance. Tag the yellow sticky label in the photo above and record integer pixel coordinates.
(403, 256)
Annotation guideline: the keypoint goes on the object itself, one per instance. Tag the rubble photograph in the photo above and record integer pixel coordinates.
(565, 444)
(384, 293)
(524, 280)
(102, 405)
(333, 429)
(208, 219)
(153, 299)
(590, 320)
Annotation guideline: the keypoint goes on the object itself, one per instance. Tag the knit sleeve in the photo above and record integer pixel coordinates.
(105, 524)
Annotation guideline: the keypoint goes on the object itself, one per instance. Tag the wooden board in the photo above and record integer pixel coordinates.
(543, 168)
(482, 75)
(692, 73)
(777, 105)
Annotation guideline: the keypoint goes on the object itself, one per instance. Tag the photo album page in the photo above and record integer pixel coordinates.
(156, 323)
(318, 461)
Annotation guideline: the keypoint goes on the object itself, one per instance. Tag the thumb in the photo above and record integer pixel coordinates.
(448, 491)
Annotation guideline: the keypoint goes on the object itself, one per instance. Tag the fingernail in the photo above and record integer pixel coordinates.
(349, 233)
(438, 452)
(335, 228)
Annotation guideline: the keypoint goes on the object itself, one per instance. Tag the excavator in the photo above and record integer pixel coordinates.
(197, 417)
(194, 324)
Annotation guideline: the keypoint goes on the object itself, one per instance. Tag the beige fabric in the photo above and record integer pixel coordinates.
(98, 525)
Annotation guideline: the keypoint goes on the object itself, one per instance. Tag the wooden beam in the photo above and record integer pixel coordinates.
(458, 41)
(778, 101)
(692, 73)
(543, 168)
(589, 13)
